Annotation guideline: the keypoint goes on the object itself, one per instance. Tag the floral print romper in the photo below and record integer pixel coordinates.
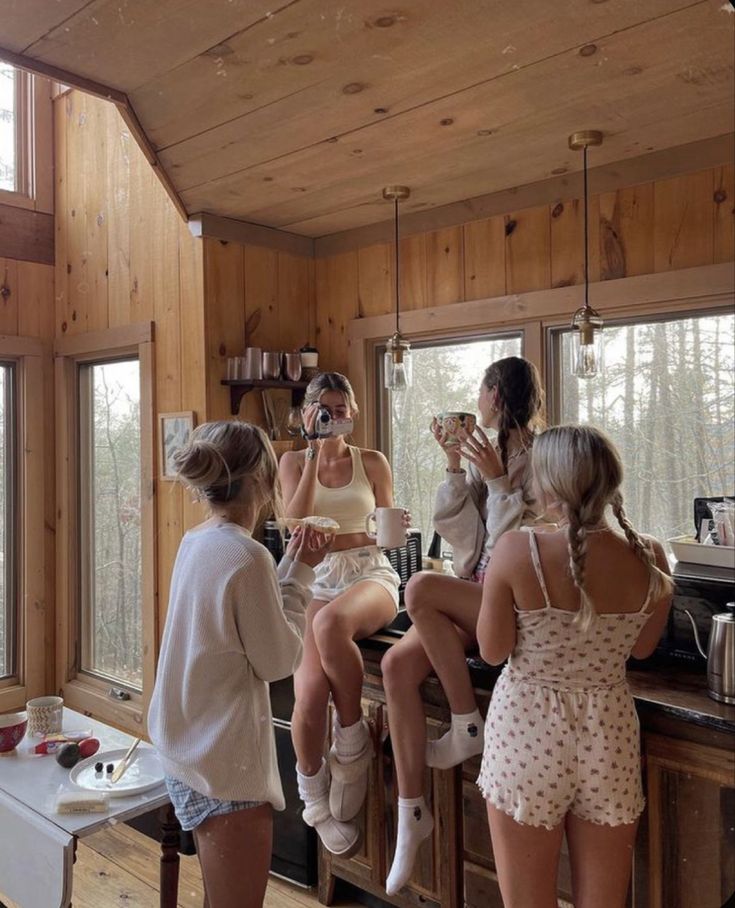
(562, 733)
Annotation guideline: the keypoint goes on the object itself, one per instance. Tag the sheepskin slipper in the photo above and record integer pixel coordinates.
(348, 787)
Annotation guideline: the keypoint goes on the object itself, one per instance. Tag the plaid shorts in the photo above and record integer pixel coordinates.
(192, 808)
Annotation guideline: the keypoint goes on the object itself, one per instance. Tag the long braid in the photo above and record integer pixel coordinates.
(577, 545)
(661, 581)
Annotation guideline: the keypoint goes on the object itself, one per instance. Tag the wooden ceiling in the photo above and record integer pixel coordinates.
(295, 113)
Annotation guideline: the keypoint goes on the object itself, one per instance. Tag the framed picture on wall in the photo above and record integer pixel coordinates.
(174, 431)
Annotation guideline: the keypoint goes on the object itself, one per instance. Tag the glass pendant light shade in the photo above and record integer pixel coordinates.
(587, 347)
(586, 322)
(398, 364)
(397, 360)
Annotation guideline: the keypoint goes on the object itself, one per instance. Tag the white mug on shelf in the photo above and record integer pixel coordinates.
(45, 715)
(390, 533)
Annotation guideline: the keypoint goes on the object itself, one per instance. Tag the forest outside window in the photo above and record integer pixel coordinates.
(16, 132)
(666, 397)
(446, 376)
(9, 643)
(110, 522)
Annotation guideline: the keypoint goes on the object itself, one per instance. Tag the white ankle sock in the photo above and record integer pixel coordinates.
(415, 823)
(463, 740)
(350, 741)
(311, 788)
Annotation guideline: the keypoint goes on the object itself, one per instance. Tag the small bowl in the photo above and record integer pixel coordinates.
(12, 729)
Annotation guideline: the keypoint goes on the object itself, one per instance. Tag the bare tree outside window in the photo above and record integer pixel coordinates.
(8, 117)
(111, 555)
(666, 397)
(446, 376)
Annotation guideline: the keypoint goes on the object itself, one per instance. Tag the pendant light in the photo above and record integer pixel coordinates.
(586, 321)
(397, 360)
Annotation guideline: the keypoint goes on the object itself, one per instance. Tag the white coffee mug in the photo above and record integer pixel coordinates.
(390, 532)
(45, 715)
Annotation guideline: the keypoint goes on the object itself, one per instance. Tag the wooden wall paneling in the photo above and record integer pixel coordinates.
(62, 121)
(143, 242)
(338, 295)
(225, 318)
(414, 272)
(445, 261)
(527, 250)
(567, 242)
(9, 296)
(35, 292)
(683, 221)
(484, 258)
(260, 277)
(724, 214)
(77, 283)
(168, 373)
(626, 232)
(120, 148)
(193, 355)
(96, 214)
(294, 301)
(26, 234)
(376, 279)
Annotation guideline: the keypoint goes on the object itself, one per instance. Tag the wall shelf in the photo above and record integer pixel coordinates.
(239, 387)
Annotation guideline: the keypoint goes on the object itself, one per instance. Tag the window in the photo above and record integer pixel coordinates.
(666, 398)
(110, 521)
(446, 376)
(8, 535)
(9, 84)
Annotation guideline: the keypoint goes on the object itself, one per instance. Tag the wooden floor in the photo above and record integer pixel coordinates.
(118, 868)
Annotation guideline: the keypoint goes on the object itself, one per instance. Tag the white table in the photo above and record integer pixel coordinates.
(37, 846)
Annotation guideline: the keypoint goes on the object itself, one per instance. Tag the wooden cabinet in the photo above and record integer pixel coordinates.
(691, 824)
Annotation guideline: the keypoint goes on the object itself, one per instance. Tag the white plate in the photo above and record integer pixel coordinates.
(144, 772)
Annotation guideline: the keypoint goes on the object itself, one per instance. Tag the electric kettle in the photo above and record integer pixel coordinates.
(720, 654)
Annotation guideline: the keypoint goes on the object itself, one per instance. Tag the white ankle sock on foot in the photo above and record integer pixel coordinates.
(415, 824)
(339, 838)
(463, 740)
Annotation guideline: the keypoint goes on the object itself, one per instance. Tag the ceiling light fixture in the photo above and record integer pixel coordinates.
(586, 321)
(397, 360)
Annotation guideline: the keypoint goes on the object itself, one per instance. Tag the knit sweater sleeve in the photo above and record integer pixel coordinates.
(459, 518)
(270, 618)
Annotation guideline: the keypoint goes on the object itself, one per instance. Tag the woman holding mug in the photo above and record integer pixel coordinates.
(355, 593)
(474, 507)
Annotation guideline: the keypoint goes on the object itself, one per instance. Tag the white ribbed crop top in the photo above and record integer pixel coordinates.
(349, 505)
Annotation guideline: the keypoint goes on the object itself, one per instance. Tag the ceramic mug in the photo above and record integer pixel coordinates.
(390, 532)
(454, 422)
(45, 715)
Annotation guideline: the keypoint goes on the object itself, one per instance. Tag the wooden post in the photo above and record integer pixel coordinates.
(170, 830)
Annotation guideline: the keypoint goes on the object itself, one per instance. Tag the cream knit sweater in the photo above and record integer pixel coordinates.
(229, 631)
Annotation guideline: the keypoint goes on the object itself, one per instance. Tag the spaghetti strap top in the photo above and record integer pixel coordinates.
(350, 504)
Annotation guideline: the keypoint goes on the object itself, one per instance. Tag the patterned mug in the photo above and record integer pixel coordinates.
(454, 422)
(45, 715)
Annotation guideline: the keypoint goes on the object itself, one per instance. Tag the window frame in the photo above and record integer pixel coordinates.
(33, 145)
(10, 516)
(27, 354)
(82, 690)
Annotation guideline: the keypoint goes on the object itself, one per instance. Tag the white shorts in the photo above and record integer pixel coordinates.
(341, 570)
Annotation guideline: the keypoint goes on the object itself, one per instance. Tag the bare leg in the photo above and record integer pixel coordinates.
(311, 687)
(405, 666)
(438, 606)
(234, 853)
(527, 862)
(361, 611)
(602, 859)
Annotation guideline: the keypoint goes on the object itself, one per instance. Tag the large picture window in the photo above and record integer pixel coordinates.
(8, 533)
(9, 85)
(666, 398)
(110, 521)
(446, 376)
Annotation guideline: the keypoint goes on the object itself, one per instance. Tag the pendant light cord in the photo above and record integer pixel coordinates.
(586, 236)
(398, 291)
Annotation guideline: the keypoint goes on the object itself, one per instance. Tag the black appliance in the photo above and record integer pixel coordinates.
(294, 843)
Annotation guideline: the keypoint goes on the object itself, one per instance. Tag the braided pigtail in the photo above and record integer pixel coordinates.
(661, 582)
(577, 544)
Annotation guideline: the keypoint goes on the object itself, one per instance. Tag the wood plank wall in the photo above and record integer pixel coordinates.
(123, 255)
(653, 227)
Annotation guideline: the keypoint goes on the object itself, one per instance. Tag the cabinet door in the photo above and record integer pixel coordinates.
(691, 824)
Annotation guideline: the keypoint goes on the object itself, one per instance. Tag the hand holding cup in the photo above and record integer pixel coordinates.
(480, 451)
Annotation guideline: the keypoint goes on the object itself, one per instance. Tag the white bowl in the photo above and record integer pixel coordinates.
(686, 548)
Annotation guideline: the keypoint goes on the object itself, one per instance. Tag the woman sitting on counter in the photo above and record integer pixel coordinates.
(562, 750)
(473, 509)
(354, 595)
